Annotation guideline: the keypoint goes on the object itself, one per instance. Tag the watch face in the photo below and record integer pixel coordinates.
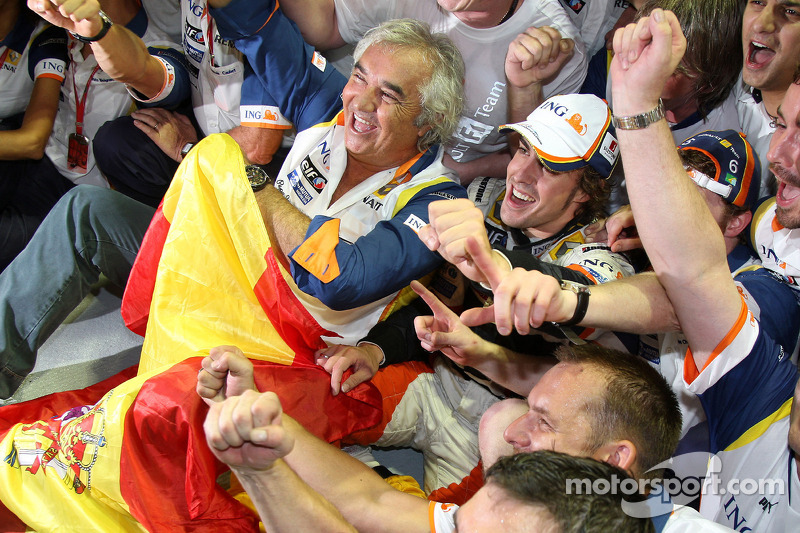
(257, 177)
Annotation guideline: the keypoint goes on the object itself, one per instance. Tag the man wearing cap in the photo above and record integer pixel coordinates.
(555, 186)
(736, 362)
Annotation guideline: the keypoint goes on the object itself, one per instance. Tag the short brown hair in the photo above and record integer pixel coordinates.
(713, 57)
(638, 404)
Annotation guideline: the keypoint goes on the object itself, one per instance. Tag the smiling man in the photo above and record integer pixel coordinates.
(596, 403)
(771, 47)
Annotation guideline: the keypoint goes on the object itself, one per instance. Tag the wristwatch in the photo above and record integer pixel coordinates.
(583, 293)
(103, 31)
(185, 150)
(257, 177)
(640, 121)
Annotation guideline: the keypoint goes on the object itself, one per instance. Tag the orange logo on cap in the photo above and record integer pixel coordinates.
(576, 122)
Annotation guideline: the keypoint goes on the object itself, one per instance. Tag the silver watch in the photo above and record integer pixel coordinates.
(640, 121)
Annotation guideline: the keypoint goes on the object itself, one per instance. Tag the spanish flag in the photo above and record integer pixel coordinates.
(129, 454)
(206, 274)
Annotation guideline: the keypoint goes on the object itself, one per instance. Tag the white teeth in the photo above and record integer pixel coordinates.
(361, 125)
(521, 196)
(758, 45)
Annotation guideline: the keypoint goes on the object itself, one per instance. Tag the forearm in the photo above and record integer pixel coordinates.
(522, 100)
(492, 165)
(285, 503)
(258, 144)
(316, 20)
(362, 496)
(124, 56)
(515, 371)
(29, 141)
(285, 224)
(637, 304)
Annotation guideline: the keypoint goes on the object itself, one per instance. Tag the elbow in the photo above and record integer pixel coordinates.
(339, 300)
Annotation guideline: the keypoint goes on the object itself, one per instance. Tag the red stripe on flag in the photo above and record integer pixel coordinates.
(167, 472)
(142, 280)
(287, 314)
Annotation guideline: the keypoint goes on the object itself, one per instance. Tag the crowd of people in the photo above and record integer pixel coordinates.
(547, 243)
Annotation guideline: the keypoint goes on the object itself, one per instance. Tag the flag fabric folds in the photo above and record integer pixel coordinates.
(206, 274)
(130, 455)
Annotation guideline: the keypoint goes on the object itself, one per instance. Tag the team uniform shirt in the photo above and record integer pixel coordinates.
(594, 18)
(483, 51)
(32, 50)
(225, 93)
(771, 302)
(362, 249)
(377, 221)
(107, 98)
(746, 388)
(566, 248)
(757, 125)
(777, 247)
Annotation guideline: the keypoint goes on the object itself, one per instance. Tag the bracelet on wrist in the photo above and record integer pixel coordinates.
(640, 121)
(102, 33)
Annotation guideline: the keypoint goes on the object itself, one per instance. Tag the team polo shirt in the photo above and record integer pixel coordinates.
(777, 247)
(225, 90)
(32, 50)
(107, 98)
(758, 126)
(746, 389)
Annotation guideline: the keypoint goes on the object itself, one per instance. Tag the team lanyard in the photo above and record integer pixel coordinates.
(78, 147)
(209, 34)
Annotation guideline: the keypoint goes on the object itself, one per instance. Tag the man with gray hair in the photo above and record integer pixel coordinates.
(372, 168)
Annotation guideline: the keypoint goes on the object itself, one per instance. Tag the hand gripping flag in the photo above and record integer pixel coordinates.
(134, 458)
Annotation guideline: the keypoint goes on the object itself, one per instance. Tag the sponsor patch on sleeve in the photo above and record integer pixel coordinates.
(319, 61)
(264, 116)
(50, 68)
(414, 222)
(166, 89)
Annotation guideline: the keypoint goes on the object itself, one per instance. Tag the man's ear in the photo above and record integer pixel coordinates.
(737, 224)
(621, 453)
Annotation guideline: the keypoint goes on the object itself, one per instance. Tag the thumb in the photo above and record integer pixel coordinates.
(478, 316)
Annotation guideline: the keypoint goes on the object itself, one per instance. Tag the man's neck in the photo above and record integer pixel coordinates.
(680, 112)
(490, 17)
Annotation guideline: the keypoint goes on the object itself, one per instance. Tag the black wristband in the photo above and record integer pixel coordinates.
(582, 292)
(103, 31)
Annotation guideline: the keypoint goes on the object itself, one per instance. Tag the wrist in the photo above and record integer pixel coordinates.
(95, 29)
(374, 351)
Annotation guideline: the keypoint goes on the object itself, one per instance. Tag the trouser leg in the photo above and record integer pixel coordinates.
(28, 190)
(91, 230)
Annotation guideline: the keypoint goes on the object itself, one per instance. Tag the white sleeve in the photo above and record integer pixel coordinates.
(442, 517)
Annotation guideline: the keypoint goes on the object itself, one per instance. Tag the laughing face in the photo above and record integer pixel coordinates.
(771, 42)
(381, 102)
(538, 201)
(784, 158)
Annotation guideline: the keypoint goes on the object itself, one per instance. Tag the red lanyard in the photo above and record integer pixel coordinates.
(3, 57)
(209, 34)
(80, 103)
